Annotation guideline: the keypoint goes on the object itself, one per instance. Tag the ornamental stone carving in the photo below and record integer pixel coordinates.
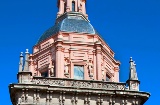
(103, 72)
(66, 67)
(52, 70)
(79, 83)
(90, 69)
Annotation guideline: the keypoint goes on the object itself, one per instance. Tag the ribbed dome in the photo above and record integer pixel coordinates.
(69, 22)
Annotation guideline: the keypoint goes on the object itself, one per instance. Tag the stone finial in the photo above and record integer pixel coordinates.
(133, 81)
(21, 62)
(131, 60)
(27, 51)
(71, 6)
(26, 64)
(133, 73)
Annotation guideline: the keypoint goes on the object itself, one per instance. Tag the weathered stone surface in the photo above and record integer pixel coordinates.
(25, 94)
(72, 65)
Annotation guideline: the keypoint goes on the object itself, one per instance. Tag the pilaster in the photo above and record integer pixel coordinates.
(59, 60)
(68, 6)
(116, 74)
(94, 65)
(98, 61)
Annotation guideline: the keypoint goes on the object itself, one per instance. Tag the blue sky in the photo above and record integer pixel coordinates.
(130, 27)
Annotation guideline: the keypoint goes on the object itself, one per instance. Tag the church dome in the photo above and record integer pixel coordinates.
(69, 22)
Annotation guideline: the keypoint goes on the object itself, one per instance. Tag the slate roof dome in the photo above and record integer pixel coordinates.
(69, 22)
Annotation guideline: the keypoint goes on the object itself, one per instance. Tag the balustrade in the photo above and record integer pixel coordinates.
(88, 84)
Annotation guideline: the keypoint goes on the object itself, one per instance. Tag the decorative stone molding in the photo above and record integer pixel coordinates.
(41, 94)
(87, 99)
(78, 83)
(66, 67)
(51, 70)
(90, 69)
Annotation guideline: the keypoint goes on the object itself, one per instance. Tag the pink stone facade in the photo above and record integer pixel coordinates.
(66, 6)
(65, 50)
(58, 54)
(70, 67)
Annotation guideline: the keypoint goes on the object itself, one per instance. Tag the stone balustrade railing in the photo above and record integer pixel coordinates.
(86, 84)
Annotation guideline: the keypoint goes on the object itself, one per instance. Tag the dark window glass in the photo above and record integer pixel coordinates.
(73, 6)
(107, 78)
(64, 7)
(44, 74)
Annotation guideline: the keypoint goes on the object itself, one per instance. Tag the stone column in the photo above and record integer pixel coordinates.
(68, 8)
(47, 98)
(94, 65)
(76, 5)
(98, 61)
(62, 6)
(71, 64)
(62, 63)
(59, 70)
(83, 7)
(116, 74)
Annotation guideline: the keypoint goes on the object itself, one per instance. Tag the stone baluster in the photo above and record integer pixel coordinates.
(86, 99)
(126, 101)
(73, 100)
(34, 97)
(76, 98)
(110, 100)
(114, 101)
(137, 101)
(99, 100)
(89, 98)
(38, 97)
(60, 98)
(134, 100)
(26, 96)
(122, 103)
(19, 101)
(23, 96)
(47, 98)
(50, 97)
(63, 99)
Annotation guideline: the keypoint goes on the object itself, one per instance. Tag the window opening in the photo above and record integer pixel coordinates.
(107, 78)
(44, 74)
(79, 72)
(73, 6)
(65, 7)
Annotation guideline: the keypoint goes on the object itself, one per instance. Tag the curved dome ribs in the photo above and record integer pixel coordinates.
(70, 22)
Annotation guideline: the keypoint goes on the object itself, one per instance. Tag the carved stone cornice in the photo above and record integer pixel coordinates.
(42, 50)
(99, 94)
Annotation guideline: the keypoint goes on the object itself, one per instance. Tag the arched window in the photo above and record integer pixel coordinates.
(65, 7)
(73, 6)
